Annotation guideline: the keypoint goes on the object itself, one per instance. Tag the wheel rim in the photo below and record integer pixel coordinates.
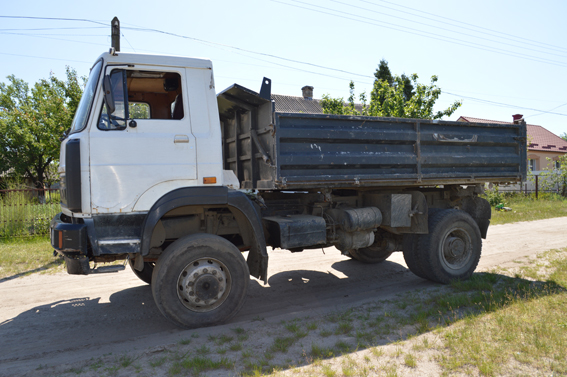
(456, 249)
(204, 285)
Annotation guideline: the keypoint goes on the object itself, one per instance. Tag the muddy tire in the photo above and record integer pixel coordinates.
(200, 280)
(146, 274)
(452, 248)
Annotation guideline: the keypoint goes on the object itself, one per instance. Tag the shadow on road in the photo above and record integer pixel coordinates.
(79, 322)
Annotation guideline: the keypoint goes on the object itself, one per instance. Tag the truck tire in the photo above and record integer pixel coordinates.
(452, 248)
(200, 280)
(411, 255)
(146, 274)
(372, 254)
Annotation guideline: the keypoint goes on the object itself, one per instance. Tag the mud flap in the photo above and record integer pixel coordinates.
(77, 265)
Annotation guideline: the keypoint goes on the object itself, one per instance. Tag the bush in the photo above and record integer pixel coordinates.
(494, 197)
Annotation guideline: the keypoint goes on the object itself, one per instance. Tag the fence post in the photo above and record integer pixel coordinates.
(536, 185)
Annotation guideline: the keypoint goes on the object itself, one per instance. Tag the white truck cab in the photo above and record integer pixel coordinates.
(165, 119)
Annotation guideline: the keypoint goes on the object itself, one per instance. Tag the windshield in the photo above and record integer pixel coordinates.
(80, 120)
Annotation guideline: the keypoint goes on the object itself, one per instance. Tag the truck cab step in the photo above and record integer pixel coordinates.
(107, 269)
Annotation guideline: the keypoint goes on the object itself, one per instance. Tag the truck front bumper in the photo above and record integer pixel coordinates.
(70, 240)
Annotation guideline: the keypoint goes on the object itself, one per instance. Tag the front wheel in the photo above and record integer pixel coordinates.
(451, 251)
(200, 280)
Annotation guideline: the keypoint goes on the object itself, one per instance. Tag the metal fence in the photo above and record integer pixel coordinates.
(27, 212)
(535, 185)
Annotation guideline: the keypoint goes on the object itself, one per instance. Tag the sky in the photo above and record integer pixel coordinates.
(500, 57)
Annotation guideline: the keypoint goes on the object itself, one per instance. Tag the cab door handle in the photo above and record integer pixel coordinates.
(181, 139)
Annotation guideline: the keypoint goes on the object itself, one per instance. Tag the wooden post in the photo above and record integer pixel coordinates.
(115, 36)
(536, 185)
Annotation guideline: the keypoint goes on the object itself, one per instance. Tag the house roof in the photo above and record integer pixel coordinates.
(540, 139)
(291, 104)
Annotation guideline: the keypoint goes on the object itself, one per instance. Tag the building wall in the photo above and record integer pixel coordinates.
(540, 158)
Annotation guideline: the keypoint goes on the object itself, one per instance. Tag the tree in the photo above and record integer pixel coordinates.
(402, 97)
(564, 136)
(555, 178)
(383, 72)
(32, 122)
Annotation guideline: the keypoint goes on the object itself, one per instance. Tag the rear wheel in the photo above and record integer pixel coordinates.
(411, 255)
(451, 251)
(384, 245)
(146, 274)
(371, 255)
(200, 280)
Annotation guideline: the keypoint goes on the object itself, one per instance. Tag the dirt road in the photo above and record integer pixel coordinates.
(56, 319)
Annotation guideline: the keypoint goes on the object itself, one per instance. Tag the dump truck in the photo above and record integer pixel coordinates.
(192, 188)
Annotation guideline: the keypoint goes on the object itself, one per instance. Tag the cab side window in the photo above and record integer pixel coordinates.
(149, 95)
(160, 91)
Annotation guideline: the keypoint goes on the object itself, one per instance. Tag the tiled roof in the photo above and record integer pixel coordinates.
(539, 138)
(291, 104)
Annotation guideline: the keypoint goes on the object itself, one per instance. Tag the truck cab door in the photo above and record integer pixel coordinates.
(143, 141)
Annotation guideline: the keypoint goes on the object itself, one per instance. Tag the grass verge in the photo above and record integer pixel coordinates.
(23, 256)
(528, 208)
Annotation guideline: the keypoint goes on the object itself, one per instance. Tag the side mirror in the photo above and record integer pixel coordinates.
(108, 96)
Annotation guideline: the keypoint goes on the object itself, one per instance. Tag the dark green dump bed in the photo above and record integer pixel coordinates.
(271, 150)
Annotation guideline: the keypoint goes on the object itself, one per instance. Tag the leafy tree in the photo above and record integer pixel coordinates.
(555, 178)
(138, 110)
(564, 136)
(408, 87)
(32, 122)
(391, 101)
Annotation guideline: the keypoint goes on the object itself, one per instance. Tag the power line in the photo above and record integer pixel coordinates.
(54, 34)
(241, 50)
(55, 28)
(57, 39)
(459, 22)
(245, 50)
(44, 57)
(544, 112)
(56, 19)
(389, 25)
(505, 104)
(446, 29)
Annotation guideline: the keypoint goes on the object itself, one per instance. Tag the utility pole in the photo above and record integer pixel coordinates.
(115, 36)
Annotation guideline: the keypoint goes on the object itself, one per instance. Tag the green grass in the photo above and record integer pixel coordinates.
(22, 256)
(525, 323)
(199, 364)
(527, 208)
